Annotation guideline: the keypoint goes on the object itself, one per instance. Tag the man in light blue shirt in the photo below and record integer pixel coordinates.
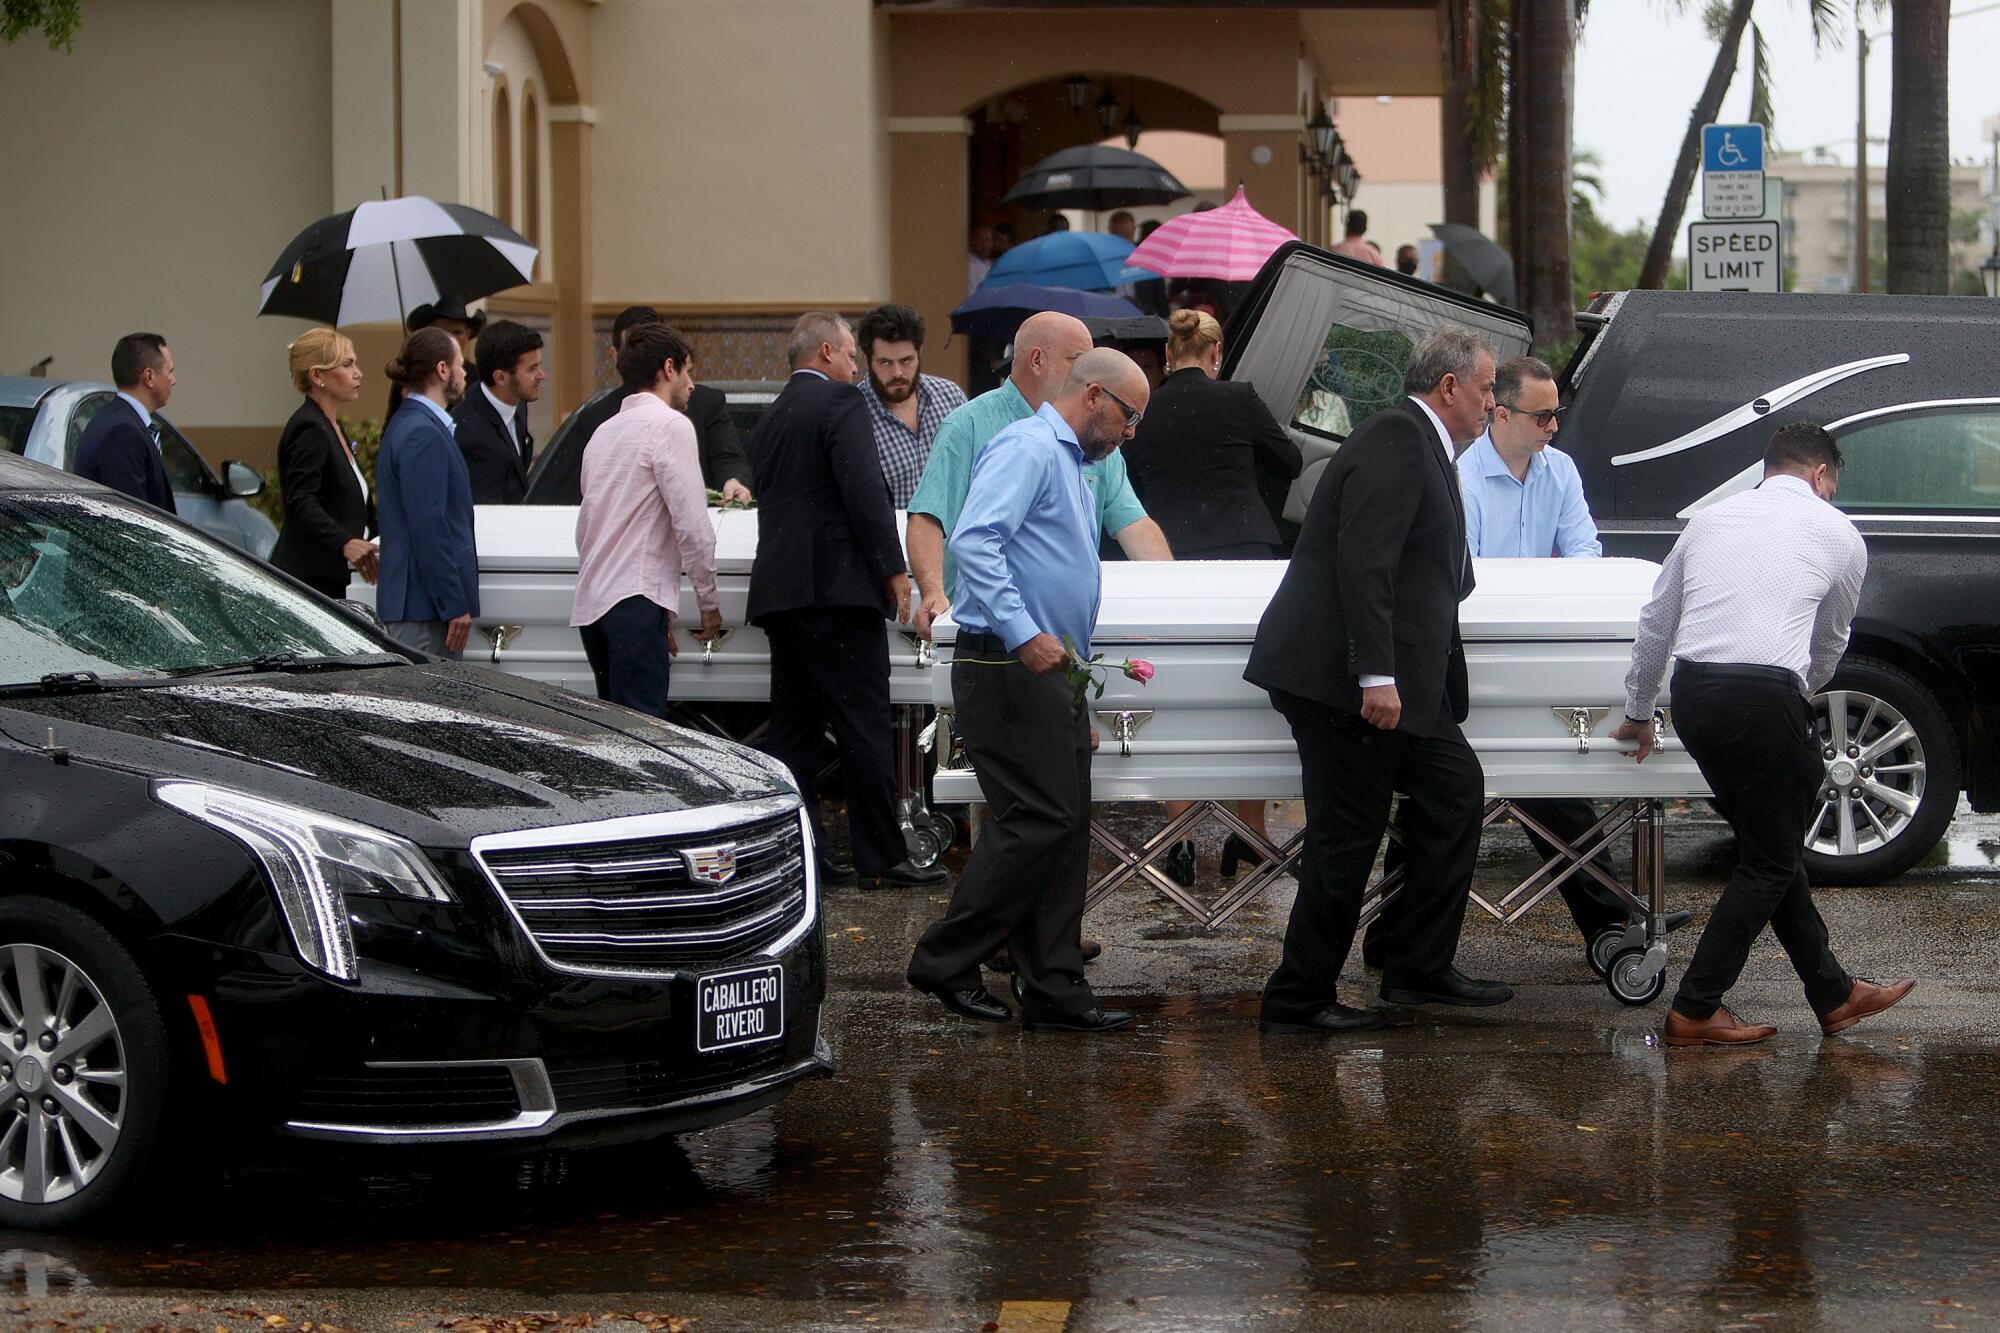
(1028, 578)
(1045, 348)
(1523, 496)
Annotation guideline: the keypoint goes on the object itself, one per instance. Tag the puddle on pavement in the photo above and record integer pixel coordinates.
(1194, 1159)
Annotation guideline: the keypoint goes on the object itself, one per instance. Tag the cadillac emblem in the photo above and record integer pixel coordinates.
(711, 865)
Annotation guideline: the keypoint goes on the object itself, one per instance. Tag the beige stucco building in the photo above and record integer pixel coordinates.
(729, 161)
(1819, 217)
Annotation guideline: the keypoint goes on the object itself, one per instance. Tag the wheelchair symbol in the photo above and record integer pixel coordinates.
(1729, 155)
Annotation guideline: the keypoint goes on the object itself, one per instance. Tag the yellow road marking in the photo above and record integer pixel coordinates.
(1034, 1316)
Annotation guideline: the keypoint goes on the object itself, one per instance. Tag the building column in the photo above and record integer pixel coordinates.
(1262, 153)
(928, 164)
(570, 187)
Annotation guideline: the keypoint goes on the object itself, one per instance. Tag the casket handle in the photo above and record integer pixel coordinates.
(1581, 723)
(1125, 724)
(497, 636)
(708, 646)
(926, 652)
(943, 738)
(1663, 721)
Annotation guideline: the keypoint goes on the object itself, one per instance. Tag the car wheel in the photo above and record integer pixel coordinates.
(1891, 782)
(83, 1066)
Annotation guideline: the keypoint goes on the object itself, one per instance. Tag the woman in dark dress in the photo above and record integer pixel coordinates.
(1202, 460)
(328, 511)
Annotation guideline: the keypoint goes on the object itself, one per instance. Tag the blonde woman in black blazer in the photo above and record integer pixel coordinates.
(329, 513)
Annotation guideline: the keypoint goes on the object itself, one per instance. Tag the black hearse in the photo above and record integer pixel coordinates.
(266, 873)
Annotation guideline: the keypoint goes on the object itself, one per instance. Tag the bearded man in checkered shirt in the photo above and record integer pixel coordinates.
(905, 406)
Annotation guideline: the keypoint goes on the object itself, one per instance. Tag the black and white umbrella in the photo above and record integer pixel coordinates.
(1096, 177)
(381, 260)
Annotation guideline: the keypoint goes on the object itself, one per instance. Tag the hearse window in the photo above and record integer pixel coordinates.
(1357, 374)
(1939, 460)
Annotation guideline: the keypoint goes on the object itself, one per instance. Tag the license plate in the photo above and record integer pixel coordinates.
(740, 1007)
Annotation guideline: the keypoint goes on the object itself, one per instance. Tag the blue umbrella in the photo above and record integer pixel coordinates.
(1090, 260)
(996, 312)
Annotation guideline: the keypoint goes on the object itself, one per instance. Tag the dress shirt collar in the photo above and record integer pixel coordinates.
(1047, 412)
(1008, 386)
(1486, 460)
(436, 411)
(1785, 481)
(505, 410)
(145, 416)
(808, 370)
(1437, 424)
(644, 401)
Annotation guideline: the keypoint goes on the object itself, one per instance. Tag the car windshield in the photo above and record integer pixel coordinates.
(98, 584)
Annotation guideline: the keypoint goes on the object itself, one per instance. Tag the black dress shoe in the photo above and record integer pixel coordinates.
(978, 1003)
(1091, 950)
(1093, 1019)
(909, 872)
(837, 874)
(1335, 1017)
(1235, 851)
(1450, 986)
(1180, 863)
(1673, 921)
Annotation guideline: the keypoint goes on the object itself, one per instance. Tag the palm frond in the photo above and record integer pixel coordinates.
(1829, 28)
(1760, 85)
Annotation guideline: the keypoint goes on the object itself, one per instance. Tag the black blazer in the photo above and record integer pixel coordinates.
(118, 450)
(722, 456)
(499, 476)
(1195, 461)
(826, 534)
(324, 505)
(1375, 582)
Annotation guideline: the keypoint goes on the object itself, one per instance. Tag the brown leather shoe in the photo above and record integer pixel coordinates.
(1866, 998)
(1720, 1028)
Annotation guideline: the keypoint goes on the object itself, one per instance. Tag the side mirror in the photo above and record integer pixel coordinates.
(241, 481)
(363, 611)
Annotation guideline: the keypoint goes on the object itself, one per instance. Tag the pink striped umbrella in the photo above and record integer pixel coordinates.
(1231, 243)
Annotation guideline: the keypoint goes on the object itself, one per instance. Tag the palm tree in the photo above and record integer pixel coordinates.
(1544, 46)
(1728, 20)
(1919, 173)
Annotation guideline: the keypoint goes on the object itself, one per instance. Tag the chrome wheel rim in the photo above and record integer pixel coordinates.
(1874, 776)
(62, 1076)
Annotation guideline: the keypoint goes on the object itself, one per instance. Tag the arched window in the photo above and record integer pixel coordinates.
(531, 172)
(503, 156)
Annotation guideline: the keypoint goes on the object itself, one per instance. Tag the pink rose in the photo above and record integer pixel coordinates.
(1139, 669)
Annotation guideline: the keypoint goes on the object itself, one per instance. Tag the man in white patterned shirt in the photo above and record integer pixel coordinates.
(905, 406)
(1754, 602)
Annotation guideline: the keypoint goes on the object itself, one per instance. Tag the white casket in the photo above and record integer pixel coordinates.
(527, 581)
(1547, 645)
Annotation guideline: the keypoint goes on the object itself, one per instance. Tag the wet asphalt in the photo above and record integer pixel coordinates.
(1544, 1164)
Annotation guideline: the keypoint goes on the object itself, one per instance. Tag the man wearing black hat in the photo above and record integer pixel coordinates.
(448, 313)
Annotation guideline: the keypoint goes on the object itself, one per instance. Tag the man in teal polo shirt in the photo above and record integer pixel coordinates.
(1045, 348)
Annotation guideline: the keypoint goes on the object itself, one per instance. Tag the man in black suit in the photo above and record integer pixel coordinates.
(1360, 651)
(829, 567)
(491, 428)
(121, 446)
(724, 466)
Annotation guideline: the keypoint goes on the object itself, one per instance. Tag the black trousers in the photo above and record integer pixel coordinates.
(1753, 736)
(1023, 885)
(1351, 771)
(830, 668)
(627, 649)
(1590, 904)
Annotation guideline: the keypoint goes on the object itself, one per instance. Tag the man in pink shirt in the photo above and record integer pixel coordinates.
(644, 520)
(1357, 245)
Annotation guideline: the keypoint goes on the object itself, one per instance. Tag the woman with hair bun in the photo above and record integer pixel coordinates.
(1200, 461)
(328, 511)
(430, 572)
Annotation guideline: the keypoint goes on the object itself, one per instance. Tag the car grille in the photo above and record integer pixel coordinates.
(393, 1097)
(635, 907)
(608, 1084)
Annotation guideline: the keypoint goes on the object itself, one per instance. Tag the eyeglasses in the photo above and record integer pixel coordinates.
(1132, 414)
(1542, 419)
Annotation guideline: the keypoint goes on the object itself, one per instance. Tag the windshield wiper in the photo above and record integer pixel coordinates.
(289, 662)
(57, 682)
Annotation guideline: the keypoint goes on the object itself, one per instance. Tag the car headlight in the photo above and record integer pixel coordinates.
(314, 860)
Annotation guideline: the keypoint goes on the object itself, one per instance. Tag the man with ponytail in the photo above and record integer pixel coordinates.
(429, 589)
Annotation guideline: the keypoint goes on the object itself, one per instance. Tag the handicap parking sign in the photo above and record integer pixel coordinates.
(1732, 148)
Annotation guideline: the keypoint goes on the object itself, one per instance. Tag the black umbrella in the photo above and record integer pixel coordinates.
(1095, 177)
(1487, 264)
(380, 260)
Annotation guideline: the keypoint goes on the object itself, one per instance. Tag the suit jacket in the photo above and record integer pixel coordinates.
(324, 504)
(826, 534)
(429, 569)
(1196, 458)
(118, 450)
(1375, 581)
(722, 456)
(560, 480)
(499, 477)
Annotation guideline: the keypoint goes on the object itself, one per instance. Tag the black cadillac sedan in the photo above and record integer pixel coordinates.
(265, 871)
